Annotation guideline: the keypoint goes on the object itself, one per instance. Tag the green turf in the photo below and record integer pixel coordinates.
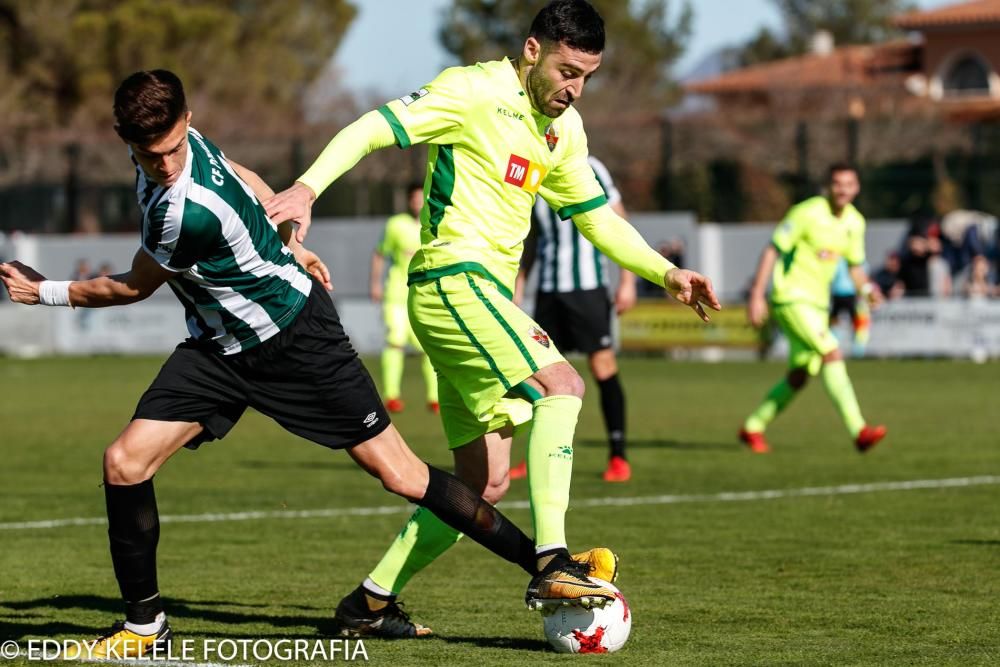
(895, 577)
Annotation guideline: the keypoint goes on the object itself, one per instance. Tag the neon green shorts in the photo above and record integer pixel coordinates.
(483, 347)
(807, 329)
(398, 331)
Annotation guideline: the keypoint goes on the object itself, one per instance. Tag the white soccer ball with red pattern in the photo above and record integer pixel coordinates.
(579, 630)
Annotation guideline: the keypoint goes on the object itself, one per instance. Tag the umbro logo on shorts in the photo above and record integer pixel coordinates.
(370, 420)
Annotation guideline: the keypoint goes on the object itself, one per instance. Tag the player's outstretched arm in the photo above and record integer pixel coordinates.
(620, 241)
(29, 287)
(365, 135)
(865, 287)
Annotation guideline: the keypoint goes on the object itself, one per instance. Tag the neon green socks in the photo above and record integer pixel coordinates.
(838, 385)
(776, 400)
(423, 538)
(393, 359)
(550, 466)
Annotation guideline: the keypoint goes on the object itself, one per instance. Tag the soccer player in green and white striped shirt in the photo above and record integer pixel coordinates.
(573, 307)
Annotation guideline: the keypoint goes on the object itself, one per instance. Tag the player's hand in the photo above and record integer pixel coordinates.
(757, 310)
(874, 296)
(293, 204)
(311, 262)
(692, 289)
(625, 297)
(375, 291)
(21, 282)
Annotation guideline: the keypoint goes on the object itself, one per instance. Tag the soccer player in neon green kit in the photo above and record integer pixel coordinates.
(815, 234)
(499, 132)
(399, 242)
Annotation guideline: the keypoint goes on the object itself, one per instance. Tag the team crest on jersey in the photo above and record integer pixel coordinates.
(551, 137)
(539, 336)
(826, 255)
(524, 173)
(407, 100)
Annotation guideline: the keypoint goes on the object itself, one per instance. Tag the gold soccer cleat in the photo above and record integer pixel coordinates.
(603, 563)
(120, 644)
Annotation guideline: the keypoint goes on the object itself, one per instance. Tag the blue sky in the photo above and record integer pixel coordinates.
(393, 46)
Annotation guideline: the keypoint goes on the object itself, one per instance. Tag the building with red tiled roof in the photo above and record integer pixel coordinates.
(951, 61)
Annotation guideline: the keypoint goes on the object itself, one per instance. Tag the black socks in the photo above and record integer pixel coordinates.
(133, 532)
(458, 506)
(613, 407)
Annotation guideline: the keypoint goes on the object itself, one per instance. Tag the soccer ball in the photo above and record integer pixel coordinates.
(598, 630)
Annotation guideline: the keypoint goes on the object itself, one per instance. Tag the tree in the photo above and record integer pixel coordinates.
(65, 57)
(847, 21)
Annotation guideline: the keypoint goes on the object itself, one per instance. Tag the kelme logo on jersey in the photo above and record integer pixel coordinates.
(523, 173)
(407, 100)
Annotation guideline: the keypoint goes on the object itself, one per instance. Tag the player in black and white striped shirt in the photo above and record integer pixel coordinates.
(573, 306)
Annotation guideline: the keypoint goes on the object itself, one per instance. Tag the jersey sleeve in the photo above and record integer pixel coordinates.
(788, 233)
(433, 114)
(606, 182)
(571, 187)
(856, 244)
(177, 240)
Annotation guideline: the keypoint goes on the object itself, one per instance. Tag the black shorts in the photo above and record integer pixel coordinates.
(579, 320)
(307, 378)
(843, 304)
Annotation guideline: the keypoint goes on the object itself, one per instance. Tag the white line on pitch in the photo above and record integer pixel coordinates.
(726, 496)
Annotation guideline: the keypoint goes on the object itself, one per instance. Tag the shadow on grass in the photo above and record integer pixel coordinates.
(499, 642)
(203, 610)
(657, 443)
(977, 543)
(346, 464)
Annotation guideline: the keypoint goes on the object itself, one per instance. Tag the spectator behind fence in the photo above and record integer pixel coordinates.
(966, 235)
(887, 277)
(978, 285)
(922, 270)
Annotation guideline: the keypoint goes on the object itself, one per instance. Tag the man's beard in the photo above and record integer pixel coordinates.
(538, 90)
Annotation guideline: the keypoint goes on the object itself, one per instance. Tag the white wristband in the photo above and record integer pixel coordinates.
(54, 292)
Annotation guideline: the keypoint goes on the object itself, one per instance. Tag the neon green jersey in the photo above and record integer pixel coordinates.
(810, 242)
(490, 153)
(400, 240)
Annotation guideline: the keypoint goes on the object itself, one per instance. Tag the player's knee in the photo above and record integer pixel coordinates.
(561, 380)
(120, 467)
(603, 364)
(798, 378)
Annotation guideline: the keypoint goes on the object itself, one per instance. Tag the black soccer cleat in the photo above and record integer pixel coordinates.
(390, 622)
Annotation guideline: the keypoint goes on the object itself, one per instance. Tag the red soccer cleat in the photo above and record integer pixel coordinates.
(395, 405)
(618, 470)
(869, 437)
(520, 471)
(434, 406)
(755, 441)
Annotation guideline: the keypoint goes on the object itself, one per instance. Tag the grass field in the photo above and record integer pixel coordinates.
(888, 577)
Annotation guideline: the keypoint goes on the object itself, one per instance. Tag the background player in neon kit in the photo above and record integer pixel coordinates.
(572, 306)
(499, 132)
(814, 234)
(400, 240)
(263, 335)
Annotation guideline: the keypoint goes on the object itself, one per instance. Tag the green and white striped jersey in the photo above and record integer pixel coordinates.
(567, 261)
(238, 282)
